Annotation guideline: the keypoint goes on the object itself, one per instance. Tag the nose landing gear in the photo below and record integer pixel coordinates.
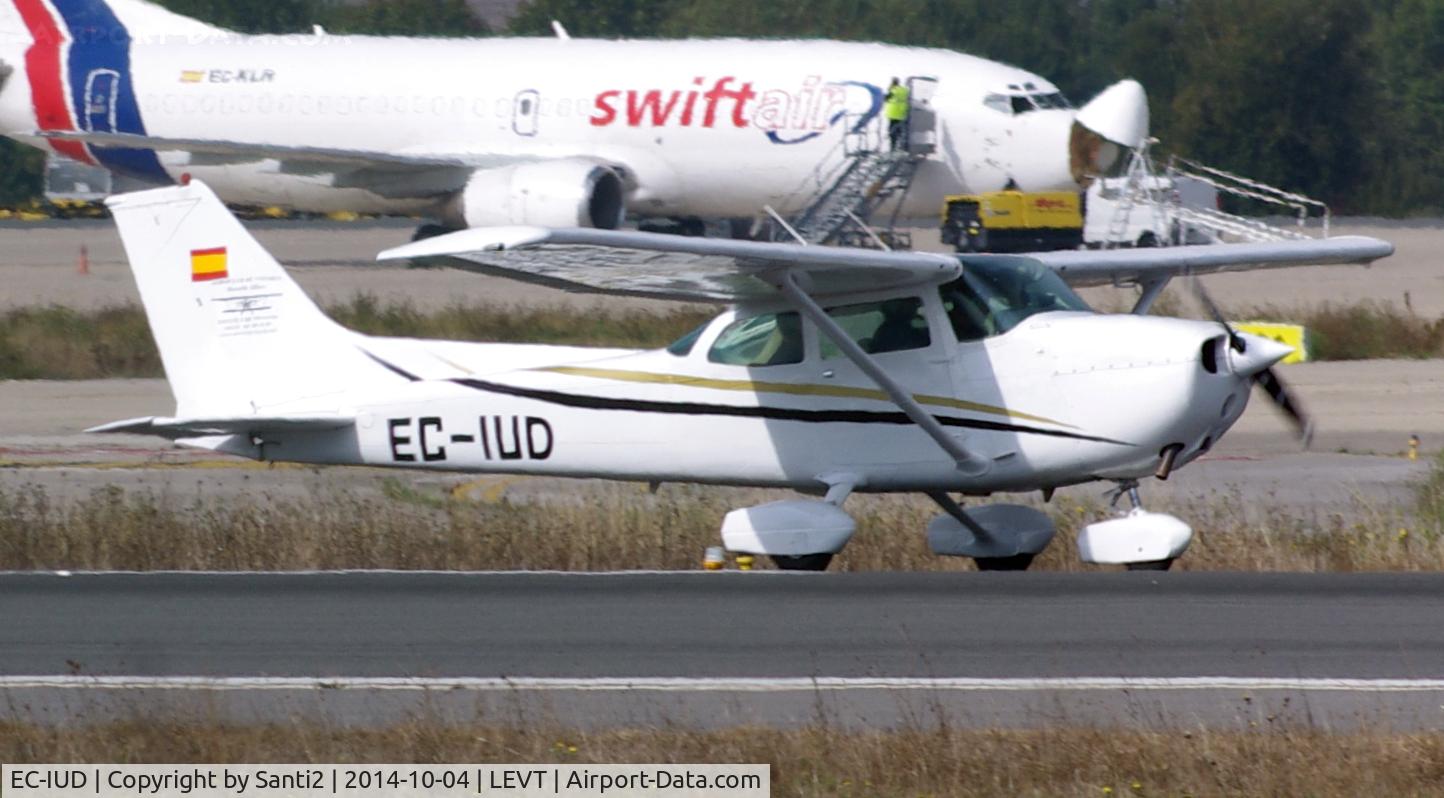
(1139, 540)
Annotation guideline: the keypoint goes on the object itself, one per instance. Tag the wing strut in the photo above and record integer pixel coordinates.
(969, 464)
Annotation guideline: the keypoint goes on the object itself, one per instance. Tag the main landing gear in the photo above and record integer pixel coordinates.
(805, 534)
(999, 537)
(802, 562)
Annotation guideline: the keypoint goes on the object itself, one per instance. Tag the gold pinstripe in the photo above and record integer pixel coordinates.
(790, 388)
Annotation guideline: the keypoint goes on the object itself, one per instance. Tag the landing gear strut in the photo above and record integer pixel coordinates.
(1130, 488)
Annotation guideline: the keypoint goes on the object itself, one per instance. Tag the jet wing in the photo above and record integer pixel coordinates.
(176, 428)
(672, 267)
(1122, 266)
(389, 174)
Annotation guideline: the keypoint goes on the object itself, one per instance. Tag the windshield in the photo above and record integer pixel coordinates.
(994, 295)
(1021, 100)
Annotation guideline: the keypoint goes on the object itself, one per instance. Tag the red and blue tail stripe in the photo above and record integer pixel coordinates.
(80, 80)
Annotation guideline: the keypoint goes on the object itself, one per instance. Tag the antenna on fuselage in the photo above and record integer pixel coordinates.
(560, 31)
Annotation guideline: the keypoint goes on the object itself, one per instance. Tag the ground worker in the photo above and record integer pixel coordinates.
(896, 111)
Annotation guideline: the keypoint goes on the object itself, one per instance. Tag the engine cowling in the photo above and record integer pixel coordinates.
(573, 192)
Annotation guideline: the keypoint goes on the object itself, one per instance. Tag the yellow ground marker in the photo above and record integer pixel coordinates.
(1293, 335)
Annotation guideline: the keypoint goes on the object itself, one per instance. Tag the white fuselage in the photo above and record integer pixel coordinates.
(1061, 399)
(708, 128)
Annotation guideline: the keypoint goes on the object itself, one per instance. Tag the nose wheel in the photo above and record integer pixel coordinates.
(1130, 489)
(1138, 540)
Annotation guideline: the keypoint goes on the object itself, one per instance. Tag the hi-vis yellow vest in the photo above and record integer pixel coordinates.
(896, 107)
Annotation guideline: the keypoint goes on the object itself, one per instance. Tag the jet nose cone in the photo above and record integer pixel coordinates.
(1119, 113)
(1258, 354)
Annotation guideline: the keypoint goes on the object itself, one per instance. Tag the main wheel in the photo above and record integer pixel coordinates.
(802, 562)
(429, 230)
(1152, 565)
(1017, 562)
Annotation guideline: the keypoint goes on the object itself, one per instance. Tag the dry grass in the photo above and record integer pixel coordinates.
(59, 343)
(821, 760)
(623, 527)
(1359, 331)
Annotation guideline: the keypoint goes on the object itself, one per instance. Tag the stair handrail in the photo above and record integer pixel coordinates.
(1244, 187)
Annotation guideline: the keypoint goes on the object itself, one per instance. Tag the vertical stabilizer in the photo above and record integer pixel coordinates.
(236, 334)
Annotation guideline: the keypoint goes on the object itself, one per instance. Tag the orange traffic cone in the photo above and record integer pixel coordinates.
(82, 266)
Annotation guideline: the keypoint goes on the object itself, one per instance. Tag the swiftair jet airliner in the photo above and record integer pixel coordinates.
(493, 131)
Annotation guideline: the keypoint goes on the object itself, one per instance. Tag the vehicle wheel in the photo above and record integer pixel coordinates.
(802, 562)
(1152, 565)
(1148, 240)
(426, 231)
(1017, 562)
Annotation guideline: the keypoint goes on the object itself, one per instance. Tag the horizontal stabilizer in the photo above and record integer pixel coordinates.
(176, 428)
(672, 267)
(1120, 266)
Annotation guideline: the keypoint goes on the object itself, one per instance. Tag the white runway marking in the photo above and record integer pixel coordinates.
(719, 685)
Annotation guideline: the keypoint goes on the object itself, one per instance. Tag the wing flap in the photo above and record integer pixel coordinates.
(1120, 266)
(672, 267)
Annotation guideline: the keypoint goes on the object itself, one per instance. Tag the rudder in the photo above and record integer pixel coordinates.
(236, 334)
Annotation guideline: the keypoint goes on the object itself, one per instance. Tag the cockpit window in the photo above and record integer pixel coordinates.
(994, 296)
(1022, 100)
(1054, 100)
(772, 339)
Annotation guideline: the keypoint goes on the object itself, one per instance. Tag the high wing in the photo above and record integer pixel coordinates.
(723, 270)
(389, 174)
(672, 267)
(1122, 266)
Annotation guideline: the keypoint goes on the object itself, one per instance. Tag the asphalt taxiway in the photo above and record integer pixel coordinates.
(1185, 649)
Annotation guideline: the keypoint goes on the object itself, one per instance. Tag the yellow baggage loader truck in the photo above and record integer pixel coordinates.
(1013, 221)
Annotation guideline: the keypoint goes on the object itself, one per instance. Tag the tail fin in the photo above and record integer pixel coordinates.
(236, 334)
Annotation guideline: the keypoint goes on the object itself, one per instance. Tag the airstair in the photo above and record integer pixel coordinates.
(858, 177)
(842, 209)
(1181, 202)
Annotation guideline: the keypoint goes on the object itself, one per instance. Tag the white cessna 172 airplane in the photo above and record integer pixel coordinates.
(553, 132)
(833, 371)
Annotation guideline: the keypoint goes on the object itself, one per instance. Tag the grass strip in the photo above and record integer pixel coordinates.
(1273, 758)
(407, 525)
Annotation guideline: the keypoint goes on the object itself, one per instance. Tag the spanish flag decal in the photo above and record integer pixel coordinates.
(192, 75)
(208, 264)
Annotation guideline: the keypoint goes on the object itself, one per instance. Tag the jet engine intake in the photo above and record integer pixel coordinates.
(572, 192)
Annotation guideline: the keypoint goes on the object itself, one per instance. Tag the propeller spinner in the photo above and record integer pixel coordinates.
(1255, 356)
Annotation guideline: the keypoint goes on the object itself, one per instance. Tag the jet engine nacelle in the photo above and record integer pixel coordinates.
(574, 192)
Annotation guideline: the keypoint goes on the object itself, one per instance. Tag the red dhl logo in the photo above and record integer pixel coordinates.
(1045, 204)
